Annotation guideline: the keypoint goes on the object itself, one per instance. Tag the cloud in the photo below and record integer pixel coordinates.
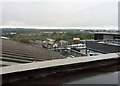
(60, 14)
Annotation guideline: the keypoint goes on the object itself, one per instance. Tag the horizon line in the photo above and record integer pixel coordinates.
(34, 27)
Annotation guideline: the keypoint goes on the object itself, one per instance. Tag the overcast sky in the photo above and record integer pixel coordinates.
(61, 13)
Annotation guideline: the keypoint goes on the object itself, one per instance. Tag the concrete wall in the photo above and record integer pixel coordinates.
(46, 72)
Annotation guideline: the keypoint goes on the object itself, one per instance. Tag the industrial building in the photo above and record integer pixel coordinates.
(103, 46)
(104, 43)
(106, 36)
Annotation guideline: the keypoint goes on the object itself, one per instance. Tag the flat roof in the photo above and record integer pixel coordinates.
(54, 63)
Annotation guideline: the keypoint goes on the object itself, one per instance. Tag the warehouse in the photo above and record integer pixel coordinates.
(106, 36)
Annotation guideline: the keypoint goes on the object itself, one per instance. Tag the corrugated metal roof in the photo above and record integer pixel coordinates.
(13, 50)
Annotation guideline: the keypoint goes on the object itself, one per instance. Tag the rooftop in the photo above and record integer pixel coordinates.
(14, 52)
